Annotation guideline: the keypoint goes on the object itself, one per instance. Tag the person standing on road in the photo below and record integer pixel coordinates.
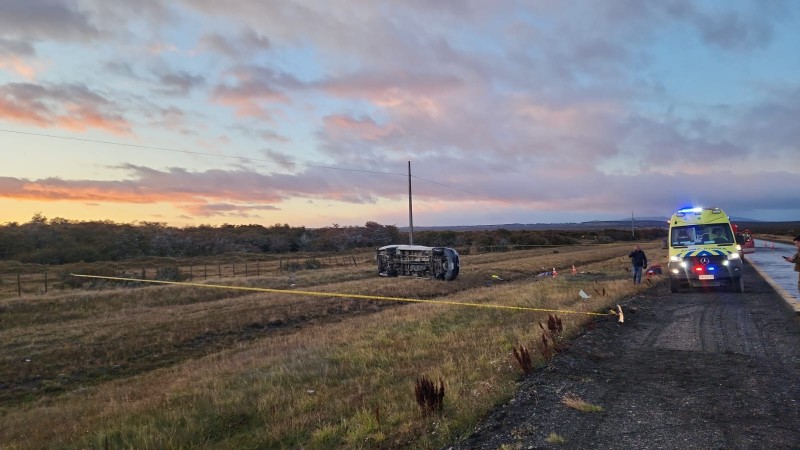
(796, 260)
(639, 262)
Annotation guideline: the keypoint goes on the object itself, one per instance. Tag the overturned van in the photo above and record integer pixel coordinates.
(703, 250)
(441, 263)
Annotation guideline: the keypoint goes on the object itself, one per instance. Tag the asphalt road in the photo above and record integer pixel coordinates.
(701, 369)
(768, 262)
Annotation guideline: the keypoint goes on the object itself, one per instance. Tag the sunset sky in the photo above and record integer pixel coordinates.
(307, 112)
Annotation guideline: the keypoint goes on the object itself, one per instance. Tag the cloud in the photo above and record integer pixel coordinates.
(227, 209)
(46, 19)
(252, 88)
(209, 191)
(245, 44)
(286, 161)
(18, 66)
(11, 47)
(344, 128)
(520, 108)
(171, 118)
(746, 29)
(70, 106)
(180, 83)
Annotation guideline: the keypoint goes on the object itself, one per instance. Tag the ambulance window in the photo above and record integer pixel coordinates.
(682, 236)
(720, 235)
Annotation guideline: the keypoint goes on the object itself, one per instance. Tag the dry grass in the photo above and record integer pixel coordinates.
(178, 367)
(557, 439)
(579, 404)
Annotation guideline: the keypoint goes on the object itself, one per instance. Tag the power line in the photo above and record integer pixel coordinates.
(241, 158)
(446, 185)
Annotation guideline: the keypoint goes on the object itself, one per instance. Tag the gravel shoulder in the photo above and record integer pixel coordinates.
(702, 369)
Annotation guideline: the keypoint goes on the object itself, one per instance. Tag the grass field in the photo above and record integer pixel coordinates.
(17, 279)
(175, 366)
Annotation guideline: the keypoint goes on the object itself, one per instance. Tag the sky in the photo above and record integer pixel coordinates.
(314, 113)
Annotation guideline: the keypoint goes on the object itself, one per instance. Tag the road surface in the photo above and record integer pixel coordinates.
(768, 262)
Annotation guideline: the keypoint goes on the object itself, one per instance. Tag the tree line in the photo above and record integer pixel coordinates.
(62, 241)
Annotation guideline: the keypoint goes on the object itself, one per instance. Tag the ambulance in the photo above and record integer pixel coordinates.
(703, 251)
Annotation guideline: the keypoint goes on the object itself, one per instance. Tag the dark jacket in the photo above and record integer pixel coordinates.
(638, 258)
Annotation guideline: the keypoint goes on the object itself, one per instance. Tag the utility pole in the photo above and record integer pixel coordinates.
(632, 232)
(410, 214)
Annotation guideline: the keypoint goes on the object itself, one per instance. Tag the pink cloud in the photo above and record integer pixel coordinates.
(73, 107)
(19, 67)
(253, 88)
(346, 128)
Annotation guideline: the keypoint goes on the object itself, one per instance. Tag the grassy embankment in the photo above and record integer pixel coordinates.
(178, 366)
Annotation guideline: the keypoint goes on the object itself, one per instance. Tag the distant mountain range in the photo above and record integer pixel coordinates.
(638, 222)
(591, 225)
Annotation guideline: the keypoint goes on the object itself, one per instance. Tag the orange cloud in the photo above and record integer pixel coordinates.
(18, 66)
(18, 113)
(70, 106)
(82, 118)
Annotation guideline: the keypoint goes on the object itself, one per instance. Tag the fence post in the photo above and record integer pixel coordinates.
(205, 271)
(258, 268)
(220, 270)
(354, 261)
(233, 267)
(45, 282)
(245, 269)
(144, 276)
(19, 286)
(280, 264)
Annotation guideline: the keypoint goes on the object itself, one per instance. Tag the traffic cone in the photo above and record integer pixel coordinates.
(574, 270)
(555, 274)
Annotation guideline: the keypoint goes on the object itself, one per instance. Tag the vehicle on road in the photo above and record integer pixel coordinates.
(748, 242)
(441, 263)
(703, 251)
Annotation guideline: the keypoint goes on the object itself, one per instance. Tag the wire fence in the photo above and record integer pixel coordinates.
(40, 282)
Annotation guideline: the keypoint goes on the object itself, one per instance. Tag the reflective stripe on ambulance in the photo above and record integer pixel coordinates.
(699, 253)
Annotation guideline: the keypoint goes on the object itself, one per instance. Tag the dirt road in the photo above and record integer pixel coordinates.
(710, 369)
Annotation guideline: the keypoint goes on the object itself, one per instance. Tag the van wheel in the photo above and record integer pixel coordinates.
(737, 284)
(673, 285)
(453, 265)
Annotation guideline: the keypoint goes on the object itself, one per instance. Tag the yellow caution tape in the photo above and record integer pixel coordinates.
(332, 294)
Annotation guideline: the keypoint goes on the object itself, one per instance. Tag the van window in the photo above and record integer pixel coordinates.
(701, 234)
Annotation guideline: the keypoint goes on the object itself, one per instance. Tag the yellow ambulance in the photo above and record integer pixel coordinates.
(703, 250)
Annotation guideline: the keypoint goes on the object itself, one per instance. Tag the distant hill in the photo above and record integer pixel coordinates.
(591, 225)
(624, 224)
